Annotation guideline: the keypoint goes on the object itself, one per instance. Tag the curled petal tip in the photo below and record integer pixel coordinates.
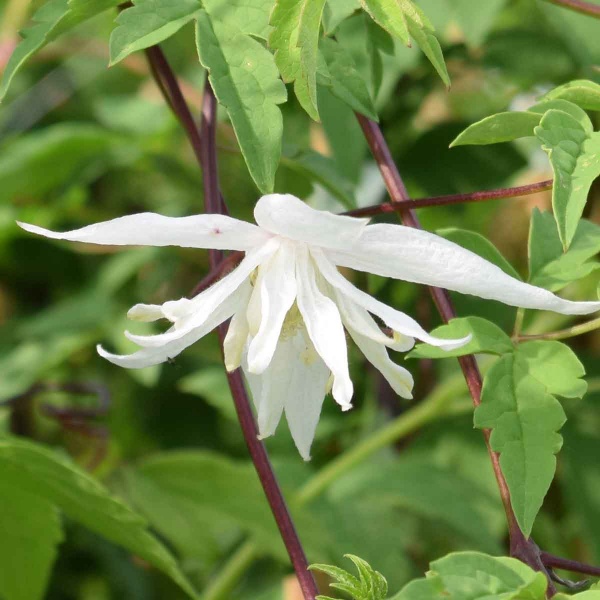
(458, 343)
(346, 407)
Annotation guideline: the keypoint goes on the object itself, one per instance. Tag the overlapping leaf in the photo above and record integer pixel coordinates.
(519, 404)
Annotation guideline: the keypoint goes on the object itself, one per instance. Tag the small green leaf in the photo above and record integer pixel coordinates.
(35, 470)
(582, 92)
(295, 40)
(549, 266)
(30, 531)
(502, 127)
(246, 82)
(574, 152)
(519, 405)
(389, 14)
(336, 11)
(575, 111)
(149, 22)
(52, 20)
(480, 245)
(487, 338)
(344, 80)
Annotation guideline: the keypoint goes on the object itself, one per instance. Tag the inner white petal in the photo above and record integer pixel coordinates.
(237, 334)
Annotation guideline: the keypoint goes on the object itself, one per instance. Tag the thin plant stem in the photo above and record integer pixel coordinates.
(556, 562)
(563, 334)
(520, 547)
(400, 205)
(585, 8)
(520, 317)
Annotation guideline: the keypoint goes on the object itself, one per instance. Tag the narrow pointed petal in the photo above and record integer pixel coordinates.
(147, 357)
(399, 378)
(422, 257)
(393, 318)
(362, 322)
(149, 229)
(324, 326)
(237, 334)
(286, 215)
(278, 292)
(208, 301)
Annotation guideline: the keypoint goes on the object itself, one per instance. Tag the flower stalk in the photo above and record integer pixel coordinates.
(580, 6)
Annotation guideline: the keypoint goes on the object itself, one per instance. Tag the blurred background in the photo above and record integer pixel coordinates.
(81, 143)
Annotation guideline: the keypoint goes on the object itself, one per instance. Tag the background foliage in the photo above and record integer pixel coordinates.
(80, 143)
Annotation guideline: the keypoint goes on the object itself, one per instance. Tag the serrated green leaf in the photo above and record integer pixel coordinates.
(323, 170)
(582, 92)
(246, 82)
(549, 266)
(574, 152)
(149, 22)
(295, 40)
(519, 405)
(477, 243)
(487, 338)
(502, 127)
(389, 14)
(30, 531)
(344, 80)
(52, 20)
(32, 469)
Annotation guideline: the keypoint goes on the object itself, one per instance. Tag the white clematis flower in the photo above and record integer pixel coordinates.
(289, 305)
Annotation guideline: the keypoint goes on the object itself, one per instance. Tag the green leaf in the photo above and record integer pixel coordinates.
(473, 576)
(52, 20)
(487, 338)
(390, 15)
(35, 470)
(574, 152)
(30, 530)
(246, 82)
(502, 127)
(336, 11)
(344, 80)
(519, 405)
(323, 170)
(549, 266)
(149, 22)
(480, 245)
(295, 40)
(582, 92)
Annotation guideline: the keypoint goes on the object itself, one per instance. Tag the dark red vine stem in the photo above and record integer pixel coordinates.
(520, 547)
(556, 562)
(585, 8)
(400, 205)
(204, 145)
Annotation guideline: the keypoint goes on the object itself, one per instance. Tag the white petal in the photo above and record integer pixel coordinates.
(362, 322)
(324, 327)
(147, 357)
(393, 318)
(398, 377)
(305, 394)
(208, 300)
(149, 229)
(288, 216)
(237, 333)
(145, 312)
(277, 292)
(422, 257)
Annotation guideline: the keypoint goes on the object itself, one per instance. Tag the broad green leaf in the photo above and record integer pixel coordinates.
(570, 108)
(549, 266)
(149, 22)
(582, 92)
(336, 11)
(344, 80)
(30, 531)
(474, 576)
(519, 405)
(246, 82)
(480, 245)
(251, 16)
(574, 152)
(323, 170)
(35, 470)
(295, 40)
(52, 20)
(487, 338)
(502, 127)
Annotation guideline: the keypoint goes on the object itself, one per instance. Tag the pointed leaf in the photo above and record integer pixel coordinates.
(574, 152)
(295, 40)
(336, 11)
(389, 15)
(582, 92)
(246, 82)
(51, 20)
(518, 404)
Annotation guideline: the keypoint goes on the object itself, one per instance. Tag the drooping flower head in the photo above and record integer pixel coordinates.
(290, 306)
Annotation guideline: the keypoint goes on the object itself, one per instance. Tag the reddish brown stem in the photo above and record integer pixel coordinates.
(524, 549)
(556, 562)
(585, 8)
(400, 205)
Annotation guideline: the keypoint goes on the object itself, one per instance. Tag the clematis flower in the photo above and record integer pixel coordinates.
(290, 306)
